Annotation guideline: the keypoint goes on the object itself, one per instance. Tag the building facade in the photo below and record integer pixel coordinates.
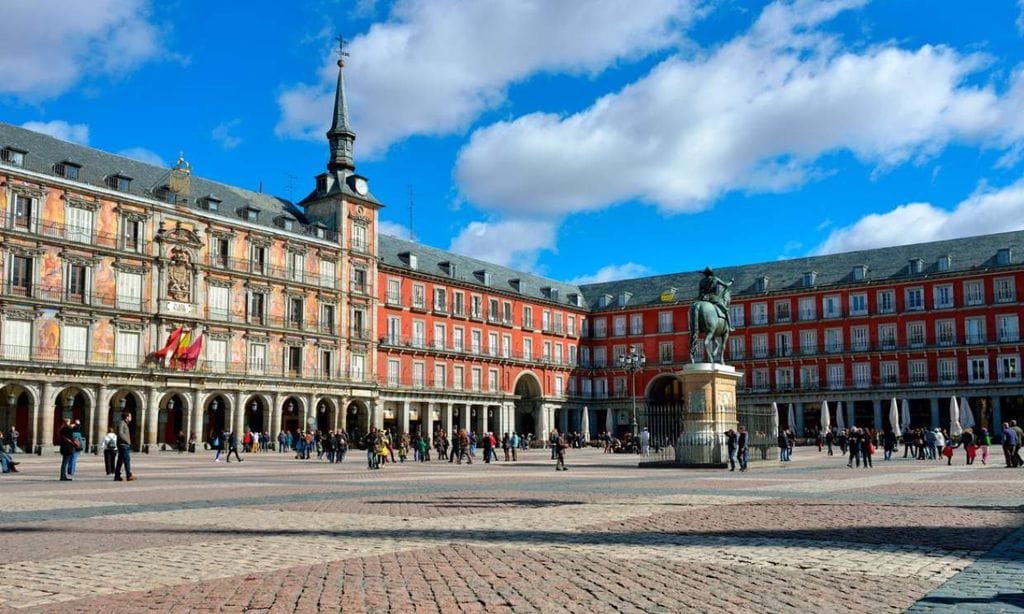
(201, 307)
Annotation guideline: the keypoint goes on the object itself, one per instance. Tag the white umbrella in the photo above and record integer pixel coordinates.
(775, 420)
(585, 423)
(905, 414)
(840, 418)
(609, 422)
(954, 418)
(791, 419)
(894, 417)
(966, 414)
(826, 422)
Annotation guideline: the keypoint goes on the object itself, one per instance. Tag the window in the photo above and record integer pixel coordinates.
(947, 371)
(665, 352)
(601, 388)
(506, 315)
(974, 293)
(737, 348)
(359, 279)
(77, 288)
(476, 339)
(394, 295)
(784, 378)
(258, 259)
(636, 324)
(129, 291)
(977, 370)
(759, 344)
(119, 182)
(14, 157)
(220, 299)
(736, 315)
(327, 363)
(836, 377)
(17, 339)
(527, 317)
(545, 321)
(527, 349)
(862, 374)
(394, 335)
(458, 304)
(759, 313)
(476, 307)
(131, 234)
(833, 340)
(559, 386)
(918, 372)
(887, 336)
(78, 224)
(945, 332)
(506, 346)
(782, 311)
(221, 253)
(760, 379)
(1007, 328)
(831, 306)
(1003, 256)
(440, 300)
(890, 373)
(585, 356)
(492, 382)
(359, 234)
(216, 355)
(572, 355)
(1005, 290)
(295, 311)
(809, 341)
(257, 307)
(886, 301)
(492, 344)
(600, 328)
(439, 375)
(783, 344)
(619, 326)
(572, 326)
(943, 296)
(944, 263)
(458, 339)
(295, 265)
(458, 377)
(419, 375)
(357, 367)
(394, 372)
(975, 328)
(859, 304)
(915, 334)
(558, 353)
(475, 377)
(1009, 368)
(586, 385)
(74, 344)
(419, 334)
(600, 358)
(419, 296)
(357, 323)
(808, 308)
(126, 349)
(23, 212)
(664, 321)
(440, 335)
(293, 359)
(859, 339)
(809, 377)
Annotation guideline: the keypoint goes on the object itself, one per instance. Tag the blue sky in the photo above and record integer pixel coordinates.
(573, 139)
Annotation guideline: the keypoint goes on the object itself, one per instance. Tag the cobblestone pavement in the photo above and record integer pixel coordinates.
(274, 534)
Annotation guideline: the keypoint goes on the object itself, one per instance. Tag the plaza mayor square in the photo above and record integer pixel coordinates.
(512, 306)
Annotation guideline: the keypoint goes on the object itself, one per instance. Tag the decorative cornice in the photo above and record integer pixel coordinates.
(298, 248)
(22, 250)
(219, 282)
(260, 240)
(179, 235)
(131, 214)
(360, 219)
(128, 325)
(219, 336)
(141, 268)
(74, 319)
(80, 203)
(13, 313)
(25, 190)
(79, 259)
(220, 233)
(256, 338)
(260, 288)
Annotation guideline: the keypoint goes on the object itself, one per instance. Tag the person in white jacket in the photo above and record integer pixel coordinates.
(110, 450)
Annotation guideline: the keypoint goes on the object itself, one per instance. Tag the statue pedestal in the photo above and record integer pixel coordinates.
(709, 392)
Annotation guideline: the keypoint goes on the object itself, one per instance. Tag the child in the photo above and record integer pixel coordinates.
(984, 440)
(947, 451)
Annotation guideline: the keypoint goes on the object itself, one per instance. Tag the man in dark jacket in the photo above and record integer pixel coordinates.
(741, 447)
(124, 449)
(730, 444)
(67, 449)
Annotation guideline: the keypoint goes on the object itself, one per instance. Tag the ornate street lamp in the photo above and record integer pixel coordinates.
(632, 362)
(253, 407)
(170, 405)
(123, 403)
(12, 399)
(214, 405)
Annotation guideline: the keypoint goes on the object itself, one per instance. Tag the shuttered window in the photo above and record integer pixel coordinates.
(217, 355)
(129, 291)
(126, 349)
(257, 358)
(74, 344)
(219, 300)
(328, 271)
(79, 225)
(17, 341)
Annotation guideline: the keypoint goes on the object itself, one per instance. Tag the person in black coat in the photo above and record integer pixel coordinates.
(741, 447)
(731, 446)
(67, 449)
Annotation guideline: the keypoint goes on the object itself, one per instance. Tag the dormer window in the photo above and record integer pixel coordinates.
(624, 299)
(413, 261)
(10, 155)
(249, 214)
(943, 264)
(576, 299)
(319, 230)
(554, 294)
(604, 300)
(119, 182)
(210, 203)
(1003, 256)
(916, 266)
(761, 285)
(484, 277)
(288, 224)
(809, 278)
(516, 284)
(860, 272)
(66, 169)
(321, 184)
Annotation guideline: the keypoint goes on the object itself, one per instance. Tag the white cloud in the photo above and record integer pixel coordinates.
(435, 65)
(987, 211)
(755, 114)
(222, 134)
(395, 230)
(60, 129)
(53, 44)
(143, 155)
(511, 243)
(613, 272)
(1020, 16)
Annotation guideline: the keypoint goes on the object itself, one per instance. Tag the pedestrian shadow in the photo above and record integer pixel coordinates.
(972, 603)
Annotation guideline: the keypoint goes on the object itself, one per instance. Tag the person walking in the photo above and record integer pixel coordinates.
(505, 443)
(742, 447)
(79, 439)
(67, 449)
(12, 439)
(1009, 445)
(553, 442)
(560, 447)
(232, 446)
(968, 443)
(488, 449)
(464, 449)
(218, 445)
(731, 446)
(1020, 442)
(867, 449)
(829, 439)
(513, 443)
(109, 451)
(888, 443)
(645, 442)
(124, 449)
(342, 447)
(984, 441)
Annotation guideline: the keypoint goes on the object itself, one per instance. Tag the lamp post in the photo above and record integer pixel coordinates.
(632, 362)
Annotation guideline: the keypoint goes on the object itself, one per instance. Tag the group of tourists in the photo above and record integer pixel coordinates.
(9, 446)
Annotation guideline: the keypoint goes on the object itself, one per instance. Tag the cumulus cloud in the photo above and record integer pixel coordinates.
(613, 272)
(755, 114)
(143, 155)
(52, 44)
(511, 243)
(60, 129)
(395, 229)
(222, 134)
(435, 65)
(987, 211)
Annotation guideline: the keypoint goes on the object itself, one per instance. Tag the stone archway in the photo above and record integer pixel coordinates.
(216, 411)
(172, 418)
(528, 407)
(291, 415)
(257, 415)
(358, 420)
(326, 415)
(127, 401)
(664, 388)
(16, 405)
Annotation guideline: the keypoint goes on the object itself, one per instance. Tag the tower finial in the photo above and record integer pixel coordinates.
(342, 54)
(340, 136)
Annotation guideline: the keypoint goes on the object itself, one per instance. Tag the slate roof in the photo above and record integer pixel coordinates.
(885, 265)
(43, 151)
(429, 262)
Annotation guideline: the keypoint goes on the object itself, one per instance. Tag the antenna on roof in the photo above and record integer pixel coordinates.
(261, 186)
(290, 185)
(412, 203)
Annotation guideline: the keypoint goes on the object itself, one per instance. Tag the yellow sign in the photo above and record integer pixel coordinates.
(668, 295)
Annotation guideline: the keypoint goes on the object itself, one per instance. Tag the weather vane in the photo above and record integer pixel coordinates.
(342, 54)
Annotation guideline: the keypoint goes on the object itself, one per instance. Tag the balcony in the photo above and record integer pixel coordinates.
(73, 234)
(57, 294)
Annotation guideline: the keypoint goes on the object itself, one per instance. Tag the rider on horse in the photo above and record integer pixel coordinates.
(712, 289)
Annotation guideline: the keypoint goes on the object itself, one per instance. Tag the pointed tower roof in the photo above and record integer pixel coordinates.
(340, 136)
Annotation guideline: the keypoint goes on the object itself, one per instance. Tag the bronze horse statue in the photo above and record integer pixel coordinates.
(705, 320)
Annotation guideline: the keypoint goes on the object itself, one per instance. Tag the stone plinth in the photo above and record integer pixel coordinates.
(709, 394)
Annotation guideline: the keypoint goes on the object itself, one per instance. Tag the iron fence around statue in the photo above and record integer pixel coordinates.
(664, 421)
(762, 437)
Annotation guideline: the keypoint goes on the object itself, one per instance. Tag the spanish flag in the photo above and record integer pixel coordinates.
(183, 343)
(190, 357)
(170, 347)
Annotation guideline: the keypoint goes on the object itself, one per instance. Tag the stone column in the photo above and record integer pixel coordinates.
(465, 415)
(427, 421)
(343, 414)
(935, 411)
(376, 410)
(563, 419)
(446, 418)
(543, 426)
(42, 419)
(996, 428)
(275, 417)
(311, 411)
(196, 418)
(798, 416)
(238, 416)
(97, 423)
(152, 419)
(403, 418)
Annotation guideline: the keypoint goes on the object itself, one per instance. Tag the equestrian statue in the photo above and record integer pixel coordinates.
(709, 316)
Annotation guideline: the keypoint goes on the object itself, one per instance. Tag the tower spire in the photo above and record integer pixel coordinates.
(340, 136)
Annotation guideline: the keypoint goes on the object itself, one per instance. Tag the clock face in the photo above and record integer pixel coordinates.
(360, 186)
